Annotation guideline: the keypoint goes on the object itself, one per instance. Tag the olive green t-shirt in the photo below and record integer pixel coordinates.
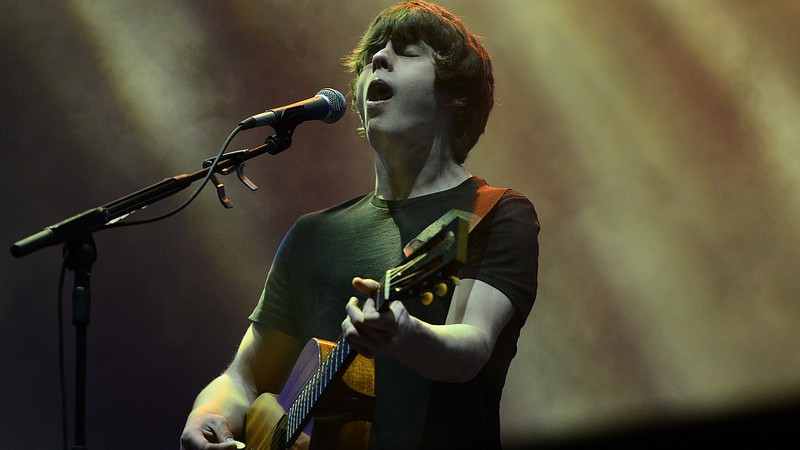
(309, 284)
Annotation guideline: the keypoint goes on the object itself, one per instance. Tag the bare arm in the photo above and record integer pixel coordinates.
(453, 352)
(264, 358)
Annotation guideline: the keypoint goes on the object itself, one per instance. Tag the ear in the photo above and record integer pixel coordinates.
(451, 101)
(454, 102)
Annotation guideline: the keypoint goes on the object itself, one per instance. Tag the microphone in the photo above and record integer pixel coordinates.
(328, 106)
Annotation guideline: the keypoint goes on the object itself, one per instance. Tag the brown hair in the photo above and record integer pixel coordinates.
(463, 67)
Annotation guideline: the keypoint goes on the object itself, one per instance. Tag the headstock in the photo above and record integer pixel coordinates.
(429, 267)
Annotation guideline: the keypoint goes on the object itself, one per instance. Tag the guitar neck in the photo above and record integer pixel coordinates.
(334, 365)
(300, 411)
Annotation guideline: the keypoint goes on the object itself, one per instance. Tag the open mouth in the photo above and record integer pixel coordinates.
(379, 91)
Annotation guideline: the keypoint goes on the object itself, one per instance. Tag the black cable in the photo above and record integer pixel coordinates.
(191, 197)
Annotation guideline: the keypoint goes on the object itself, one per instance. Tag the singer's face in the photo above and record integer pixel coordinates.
(396, 96)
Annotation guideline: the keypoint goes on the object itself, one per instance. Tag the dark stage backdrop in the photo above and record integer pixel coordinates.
(658, 139)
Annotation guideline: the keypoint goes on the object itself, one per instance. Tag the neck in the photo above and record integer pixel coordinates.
(414, 172)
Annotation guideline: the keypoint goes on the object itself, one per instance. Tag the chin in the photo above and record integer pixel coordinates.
(379, 136)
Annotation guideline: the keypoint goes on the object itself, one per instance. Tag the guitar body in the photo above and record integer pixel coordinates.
(342, 417)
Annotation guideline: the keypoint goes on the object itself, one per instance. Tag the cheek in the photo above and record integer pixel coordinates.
(425, 92)
(426, 98)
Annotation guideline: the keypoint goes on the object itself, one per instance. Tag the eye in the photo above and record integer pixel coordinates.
(405, 49)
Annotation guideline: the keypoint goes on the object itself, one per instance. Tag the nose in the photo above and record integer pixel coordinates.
(382, 59)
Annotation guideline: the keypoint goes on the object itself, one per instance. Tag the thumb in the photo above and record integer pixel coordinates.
(223, 433)
(365, 285)
(220, 428)
(235, 444)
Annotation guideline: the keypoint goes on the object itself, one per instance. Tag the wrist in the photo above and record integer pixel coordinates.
(411, 338)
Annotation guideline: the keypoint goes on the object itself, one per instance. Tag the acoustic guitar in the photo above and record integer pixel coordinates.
(329, 393)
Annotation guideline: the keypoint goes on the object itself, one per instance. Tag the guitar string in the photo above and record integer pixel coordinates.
(313, 390)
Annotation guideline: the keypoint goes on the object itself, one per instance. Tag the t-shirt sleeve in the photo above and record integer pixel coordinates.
(504, 252)
(275, 307)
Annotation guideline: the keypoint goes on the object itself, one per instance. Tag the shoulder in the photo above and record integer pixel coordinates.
(338, 211)
(511, 205)
(314, 224)
(516, 203)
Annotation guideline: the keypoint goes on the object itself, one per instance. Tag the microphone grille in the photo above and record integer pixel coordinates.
(337, 102)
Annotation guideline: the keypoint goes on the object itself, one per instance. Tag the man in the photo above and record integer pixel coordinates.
(423, 88)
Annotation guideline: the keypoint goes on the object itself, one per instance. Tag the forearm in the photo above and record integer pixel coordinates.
(453, 352)
(448, 353)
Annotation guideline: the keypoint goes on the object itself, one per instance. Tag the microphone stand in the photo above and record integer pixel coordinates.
(80, 251)
(80, 254)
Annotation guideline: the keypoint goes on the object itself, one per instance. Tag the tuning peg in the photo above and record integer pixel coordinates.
(426, 298)
(440, 289)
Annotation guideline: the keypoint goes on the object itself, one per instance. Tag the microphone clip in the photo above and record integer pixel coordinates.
(235, 160)
(239, 168)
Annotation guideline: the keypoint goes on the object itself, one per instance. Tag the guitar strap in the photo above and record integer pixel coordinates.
(473, 210)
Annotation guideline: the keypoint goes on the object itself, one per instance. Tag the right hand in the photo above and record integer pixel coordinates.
(207, 432)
